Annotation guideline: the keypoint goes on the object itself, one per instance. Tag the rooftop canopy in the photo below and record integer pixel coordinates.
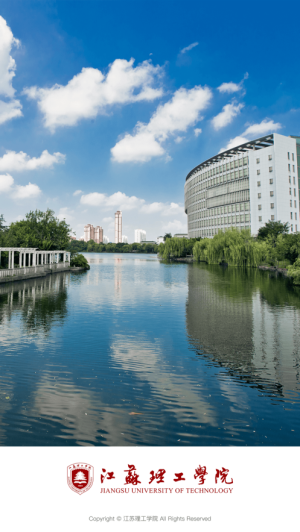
(257, 144)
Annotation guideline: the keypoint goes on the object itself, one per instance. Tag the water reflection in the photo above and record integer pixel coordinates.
(41, 302)
(247, 322)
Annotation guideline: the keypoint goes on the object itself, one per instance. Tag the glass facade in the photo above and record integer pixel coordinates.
(217, 196)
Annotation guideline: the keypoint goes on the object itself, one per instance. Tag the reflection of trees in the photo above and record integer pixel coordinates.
(40, 301)
(247, 322)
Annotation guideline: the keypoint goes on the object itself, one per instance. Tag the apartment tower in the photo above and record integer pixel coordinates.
(118, 227)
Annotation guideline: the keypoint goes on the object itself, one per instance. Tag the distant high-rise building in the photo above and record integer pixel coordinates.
(88, 232)
(93, 233)
(118, 227)
(139, 235)
(105, 239)
(98, 234)
(125, 239)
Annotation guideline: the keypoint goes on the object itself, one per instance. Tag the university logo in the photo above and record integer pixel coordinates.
(80, 477)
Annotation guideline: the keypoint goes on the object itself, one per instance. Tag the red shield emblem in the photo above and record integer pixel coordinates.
(80, 477)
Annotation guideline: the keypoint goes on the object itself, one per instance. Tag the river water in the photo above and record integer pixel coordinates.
(138, 352)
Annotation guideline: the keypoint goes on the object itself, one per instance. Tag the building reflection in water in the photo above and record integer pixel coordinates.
(234, 320)
(118, 276)
(41, 301)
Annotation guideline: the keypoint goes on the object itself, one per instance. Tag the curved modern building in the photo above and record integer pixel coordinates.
(245, 187)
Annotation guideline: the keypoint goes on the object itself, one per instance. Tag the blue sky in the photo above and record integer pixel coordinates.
(117, 101)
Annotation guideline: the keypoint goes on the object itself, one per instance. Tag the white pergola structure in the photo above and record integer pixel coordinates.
(34, 257)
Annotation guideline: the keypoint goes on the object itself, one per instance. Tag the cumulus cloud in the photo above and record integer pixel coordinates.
(18, 162)
(179, 113)
(118, 199)
(188, 48)
(12, 108)
(231, 87)
(77, 192)
(91, 92)
(177, 226)
(9, 110)
(197, 131)
(261, 129)
(227, 114)
(121, 201)
(26, 191)
(6, 183)
(179, 139)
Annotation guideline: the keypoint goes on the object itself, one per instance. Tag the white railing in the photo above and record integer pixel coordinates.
(33, 269)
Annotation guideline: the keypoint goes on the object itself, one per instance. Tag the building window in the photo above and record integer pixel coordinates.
(258, 172)
(290, 180)
(272, 205)
(289, 167)
(258, 184)
(288, 154)
(271, 193)
(294, 192)
(270, 157)
(294, 180)
(291, 228)
(270, 168)
(260, 218)
(291, 203)
(272, 217)
(271, 181)
(259, 195)
(291, 215)
(293, 168)
(290, 191)
(259, 207)
(295, 204)
(293, 157)
(295, 216)
(257, 161)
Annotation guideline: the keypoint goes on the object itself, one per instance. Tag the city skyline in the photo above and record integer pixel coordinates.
(155, 107)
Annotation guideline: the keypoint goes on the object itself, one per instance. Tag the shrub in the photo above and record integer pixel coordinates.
(79, 261)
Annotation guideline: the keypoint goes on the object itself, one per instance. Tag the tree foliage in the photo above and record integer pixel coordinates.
(79, 246)
(273, 230)
(176, 247)
(79, 261)
(236, 248)
(39, 230)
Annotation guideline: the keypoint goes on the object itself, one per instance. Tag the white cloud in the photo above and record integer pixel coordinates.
(6, 183)
(26, 191)
(117, 200)
(108, 219)
(188, 48)
(237, 141)
(261, 129)
(231, 87)
(77, 192)
(7, 63)
(175, 227)
(12, 108)
(179, 139)
(179, 113)
(266, 126)
(65, 213)
(91, 93)
(9, 110)
(166, 209)
(227, 114)
(197, 131)
(18, 162)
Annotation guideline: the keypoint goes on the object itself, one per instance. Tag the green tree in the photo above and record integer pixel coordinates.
(272, 229)
(167, 235)
(39, 230)
(79, 261)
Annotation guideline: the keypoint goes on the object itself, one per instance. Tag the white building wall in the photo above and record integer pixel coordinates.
(139, 235)
(280, 187)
